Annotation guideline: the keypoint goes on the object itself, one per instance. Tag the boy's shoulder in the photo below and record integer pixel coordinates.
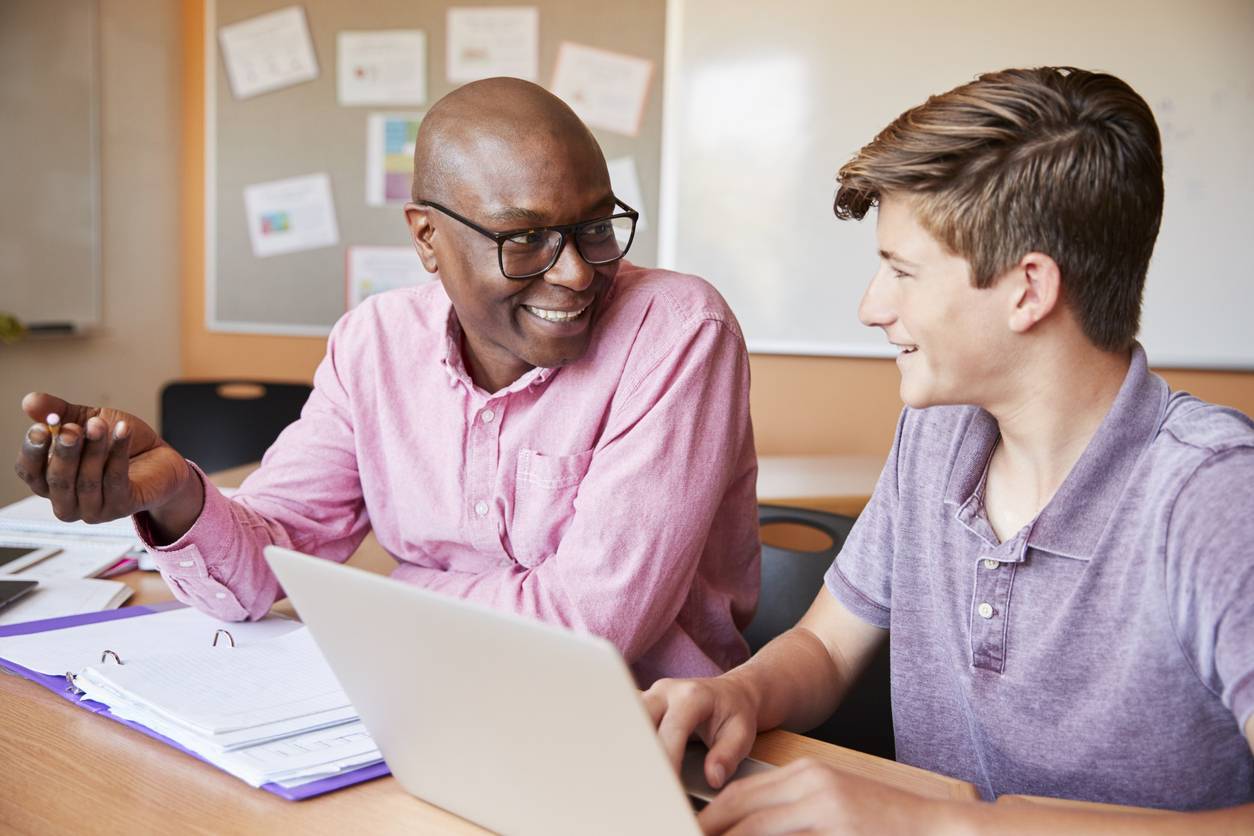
(1205, 427)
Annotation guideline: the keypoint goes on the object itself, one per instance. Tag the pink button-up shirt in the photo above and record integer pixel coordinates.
(614, 495)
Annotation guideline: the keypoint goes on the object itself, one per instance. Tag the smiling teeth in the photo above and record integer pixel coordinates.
(555, 316)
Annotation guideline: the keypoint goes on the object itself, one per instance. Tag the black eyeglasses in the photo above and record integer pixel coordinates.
(527, 253)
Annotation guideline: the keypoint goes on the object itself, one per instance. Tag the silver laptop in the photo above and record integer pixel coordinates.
(519, 726)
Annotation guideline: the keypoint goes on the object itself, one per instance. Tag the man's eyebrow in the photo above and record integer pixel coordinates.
(888, 255)
(517, 215)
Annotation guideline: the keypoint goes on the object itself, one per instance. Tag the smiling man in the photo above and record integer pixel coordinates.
(547, 429)
(1059, 548)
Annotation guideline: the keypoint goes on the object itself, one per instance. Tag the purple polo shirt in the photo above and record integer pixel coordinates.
(1105, 651)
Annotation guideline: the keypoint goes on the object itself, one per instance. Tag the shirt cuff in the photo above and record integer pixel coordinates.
(183, 558)
(860, 605)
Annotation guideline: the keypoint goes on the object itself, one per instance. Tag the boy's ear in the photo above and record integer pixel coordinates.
(420, 231)
(1037, 288)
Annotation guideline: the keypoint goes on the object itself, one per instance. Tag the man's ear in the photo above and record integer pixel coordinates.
(1036, 288)
(420, 232)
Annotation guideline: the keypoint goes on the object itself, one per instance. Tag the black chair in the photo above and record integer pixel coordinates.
(790, 581)
(222, 424)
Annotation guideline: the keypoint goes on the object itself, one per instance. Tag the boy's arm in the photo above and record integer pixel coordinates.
(808, 796)
(796, 681)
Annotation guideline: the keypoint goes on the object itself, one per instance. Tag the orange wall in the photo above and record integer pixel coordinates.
(800, 404)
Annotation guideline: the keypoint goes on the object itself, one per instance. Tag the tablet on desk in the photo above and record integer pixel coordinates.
(14, 559)
(11, 589)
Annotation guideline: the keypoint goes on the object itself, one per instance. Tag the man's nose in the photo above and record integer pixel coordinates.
(571, 270)
(877, 310)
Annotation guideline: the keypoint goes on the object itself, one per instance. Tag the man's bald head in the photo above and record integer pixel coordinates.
(495, 125)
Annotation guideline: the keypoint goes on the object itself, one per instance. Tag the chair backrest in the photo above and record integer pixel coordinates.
(222, 424)
(790, 578)
(790, 581)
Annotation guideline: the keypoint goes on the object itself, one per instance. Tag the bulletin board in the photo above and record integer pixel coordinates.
(302, 130)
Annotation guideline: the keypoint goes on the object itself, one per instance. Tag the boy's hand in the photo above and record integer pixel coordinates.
(721, 710)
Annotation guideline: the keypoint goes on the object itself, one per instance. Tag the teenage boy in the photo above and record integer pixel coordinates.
(1060, 549)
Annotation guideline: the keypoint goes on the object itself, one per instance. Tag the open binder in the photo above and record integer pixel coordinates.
(64, 687)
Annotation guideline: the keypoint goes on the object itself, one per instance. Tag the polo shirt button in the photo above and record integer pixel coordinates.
(989, 563)
(481, 508)
(985, 610)
(486, 416)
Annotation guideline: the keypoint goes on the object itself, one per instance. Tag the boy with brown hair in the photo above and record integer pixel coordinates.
(1059, 547)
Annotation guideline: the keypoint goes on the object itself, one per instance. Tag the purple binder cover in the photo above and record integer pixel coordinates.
(57, 685)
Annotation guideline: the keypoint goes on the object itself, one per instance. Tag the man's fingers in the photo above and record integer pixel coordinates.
(38, 404)
(91, 470)
(115, 481)
(63, 472)
(32, 462)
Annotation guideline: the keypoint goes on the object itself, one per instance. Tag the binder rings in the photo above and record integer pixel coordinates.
(59, 686)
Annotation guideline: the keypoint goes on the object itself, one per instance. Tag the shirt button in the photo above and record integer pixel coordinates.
(187, 564)
(486, 416)
(989, 563)
(219, 595)
(985, 610)
(481, 508)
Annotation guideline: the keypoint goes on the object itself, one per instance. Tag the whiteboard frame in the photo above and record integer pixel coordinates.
(668, 222)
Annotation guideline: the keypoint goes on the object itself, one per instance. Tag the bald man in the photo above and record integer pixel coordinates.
(547, 429)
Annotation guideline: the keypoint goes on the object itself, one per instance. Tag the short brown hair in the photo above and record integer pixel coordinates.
(1054, 160)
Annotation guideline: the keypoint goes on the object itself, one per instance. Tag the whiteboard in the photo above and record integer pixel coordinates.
(50, 162)
(765, 102)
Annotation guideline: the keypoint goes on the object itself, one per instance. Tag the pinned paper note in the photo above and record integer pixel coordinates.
(382, 68)
(626, 185)
(289, 215)
(496, 40)
(390, 157)
(607, 89)
(372, 270)
(268, 52)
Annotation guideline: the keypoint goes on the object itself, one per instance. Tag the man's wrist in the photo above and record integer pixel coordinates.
(172, 519)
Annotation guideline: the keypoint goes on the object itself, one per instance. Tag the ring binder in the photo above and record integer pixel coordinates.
(221, 631)
(66, 687)
(108, 653)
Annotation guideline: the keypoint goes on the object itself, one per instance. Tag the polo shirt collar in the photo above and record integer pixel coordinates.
(1073, 521)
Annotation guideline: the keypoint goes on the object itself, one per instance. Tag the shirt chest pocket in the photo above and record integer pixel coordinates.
(544, 502)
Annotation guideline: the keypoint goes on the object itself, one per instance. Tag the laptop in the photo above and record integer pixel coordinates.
(519, 726)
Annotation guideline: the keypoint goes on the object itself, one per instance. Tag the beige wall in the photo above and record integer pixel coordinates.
(137, 346)
(800, 404)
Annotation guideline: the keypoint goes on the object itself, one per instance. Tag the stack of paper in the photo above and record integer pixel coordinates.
(34, 516)
(268, 710)
(64, 596)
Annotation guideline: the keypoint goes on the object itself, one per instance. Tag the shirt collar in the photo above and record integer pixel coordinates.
(455, 366)
(1073, 521)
